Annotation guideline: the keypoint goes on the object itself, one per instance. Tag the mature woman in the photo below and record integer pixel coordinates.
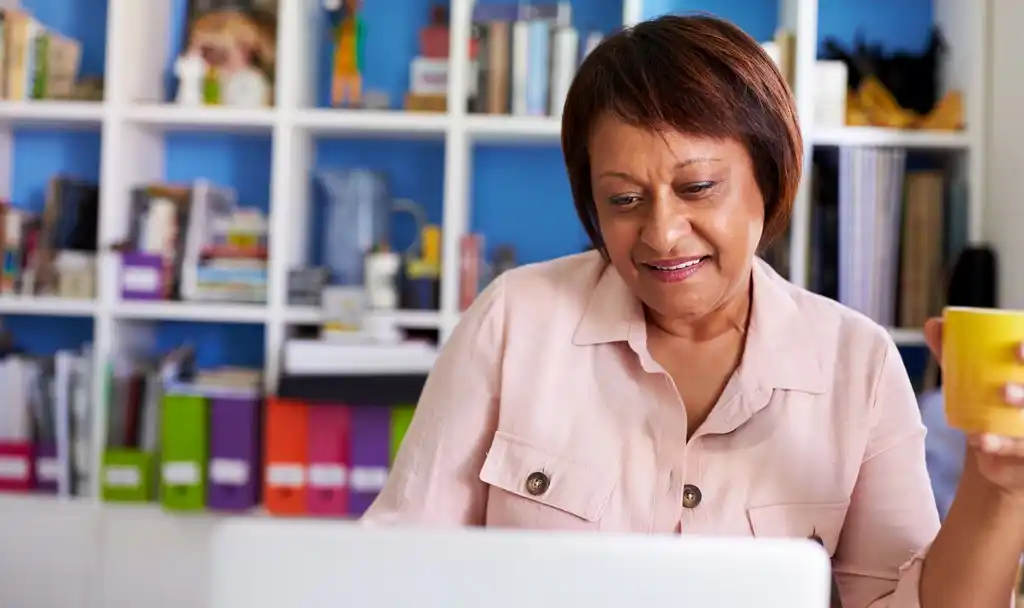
(670, 381)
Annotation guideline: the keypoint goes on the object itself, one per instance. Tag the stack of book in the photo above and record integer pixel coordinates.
(35, 62)
(45, 423)
(194, 243)
(525, 57)
(52, 253)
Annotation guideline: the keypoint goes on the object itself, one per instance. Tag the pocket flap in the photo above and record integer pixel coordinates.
(820, 521)
(575, 487)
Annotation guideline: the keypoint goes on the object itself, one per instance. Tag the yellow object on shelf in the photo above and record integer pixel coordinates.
(880, 107)
(873, 105)
(430, 238)
(947, 115)
(422, 269)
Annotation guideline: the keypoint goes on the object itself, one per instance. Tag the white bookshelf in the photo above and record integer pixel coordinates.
(133, 122)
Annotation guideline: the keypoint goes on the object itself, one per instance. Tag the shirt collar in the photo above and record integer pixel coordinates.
(611, 313)
(782, 350)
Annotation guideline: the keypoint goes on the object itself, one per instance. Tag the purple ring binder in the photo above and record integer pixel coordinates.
(234, 466)
(371, 454)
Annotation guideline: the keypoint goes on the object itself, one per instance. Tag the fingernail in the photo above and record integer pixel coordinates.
(1013, 393)
(991, 443)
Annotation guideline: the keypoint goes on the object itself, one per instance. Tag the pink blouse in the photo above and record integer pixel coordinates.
(546, 410)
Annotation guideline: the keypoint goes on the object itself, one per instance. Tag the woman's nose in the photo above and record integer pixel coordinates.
(667, 223)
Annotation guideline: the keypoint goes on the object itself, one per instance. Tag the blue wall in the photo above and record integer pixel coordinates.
(535, 214)
(242, 161)
(215, 344)
(758, 18)
(900, 24)
(897, 24)
(41, 336)
(41, 153)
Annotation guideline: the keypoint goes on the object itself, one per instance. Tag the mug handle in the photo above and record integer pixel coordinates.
(419, 215)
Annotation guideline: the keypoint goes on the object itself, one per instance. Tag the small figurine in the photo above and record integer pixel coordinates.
(247, 88)
(349, 37)
(240, 50)
(211, 87)
(191, 71)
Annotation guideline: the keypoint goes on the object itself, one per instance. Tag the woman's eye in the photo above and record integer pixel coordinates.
(698, 188)
(625, 200)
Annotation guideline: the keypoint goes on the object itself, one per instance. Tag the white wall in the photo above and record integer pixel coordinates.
(1003, 225)
(78, 555)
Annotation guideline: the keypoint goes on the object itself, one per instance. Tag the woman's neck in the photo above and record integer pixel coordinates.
(731, 315)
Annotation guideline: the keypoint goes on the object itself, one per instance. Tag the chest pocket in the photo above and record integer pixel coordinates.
(822, 522)
(532, 488)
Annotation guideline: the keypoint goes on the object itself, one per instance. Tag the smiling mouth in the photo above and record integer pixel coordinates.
(673, 271)
(676, 265)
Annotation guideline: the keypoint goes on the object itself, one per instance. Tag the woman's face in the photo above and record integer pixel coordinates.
(681, 216)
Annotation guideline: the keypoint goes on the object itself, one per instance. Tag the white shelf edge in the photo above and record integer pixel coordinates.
(210, 312)
(893, 138)
(513, 129)
(52, 112)
(46, 306)
(173, 116)
(409, 319)
(326, 121)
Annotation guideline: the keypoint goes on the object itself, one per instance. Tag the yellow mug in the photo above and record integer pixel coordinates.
(980, 357)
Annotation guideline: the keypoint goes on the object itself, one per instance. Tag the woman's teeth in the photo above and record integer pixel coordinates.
(677, 266)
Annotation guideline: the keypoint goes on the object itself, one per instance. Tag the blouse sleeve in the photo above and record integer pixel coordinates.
(892, 516)
(435, 476)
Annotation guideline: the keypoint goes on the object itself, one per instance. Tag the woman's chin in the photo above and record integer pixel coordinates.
(665, 304)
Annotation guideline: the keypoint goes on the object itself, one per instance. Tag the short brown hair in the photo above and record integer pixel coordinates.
(695, 74)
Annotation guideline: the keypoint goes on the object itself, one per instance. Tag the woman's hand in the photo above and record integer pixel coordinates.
(975, 557)
(1000, 460)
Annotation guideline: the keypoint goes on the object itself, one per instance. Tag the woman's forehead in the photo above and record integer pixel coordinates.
(616, 140)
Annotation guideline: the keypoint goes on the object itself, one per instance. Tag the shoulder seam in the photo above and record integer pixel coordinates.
(881, 372)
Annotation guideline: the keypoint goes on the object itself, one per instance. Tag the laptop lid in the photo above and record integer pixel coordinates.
(270, 563)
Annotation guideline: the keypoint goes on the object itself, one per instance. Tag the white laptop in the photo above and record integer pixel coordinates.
(270, 563)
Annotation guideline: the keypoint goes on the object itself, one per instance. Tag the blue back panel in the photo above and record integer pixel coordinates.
(216, 344)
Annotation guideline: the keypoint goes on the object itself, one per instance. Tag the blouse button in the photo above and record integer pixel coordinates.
(537, 483)
(691, 496)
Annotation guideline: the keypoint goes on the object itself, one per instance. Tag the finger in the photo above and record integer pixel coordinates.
(998, 445)
(1013, 394)
(1020, 352)
(933, 336)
